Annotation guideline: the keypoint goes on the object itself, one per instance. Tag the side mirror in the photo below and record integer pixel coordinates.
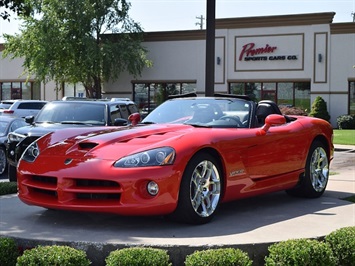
(120, 122)
(29, 119)
(134, 118)
(271, 120)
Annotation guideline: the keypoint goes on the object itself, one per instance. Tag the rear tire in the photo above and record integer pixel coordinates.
(315, 179)
(200, 190)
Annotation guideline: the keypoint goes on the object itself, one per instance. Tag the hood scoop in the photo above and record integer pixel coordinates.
(87, 145)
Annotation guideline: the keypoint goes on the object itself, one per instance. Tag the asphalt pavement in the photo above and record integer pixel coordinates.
(249, 224)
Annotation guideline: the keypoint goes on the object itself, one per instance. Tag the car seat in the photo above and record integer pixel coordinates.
(203, 114)
(264, 109)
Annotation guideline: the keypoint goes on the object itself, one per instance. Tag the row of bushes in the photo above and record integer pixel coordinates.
(343, 121)
(8, 188)
(337, 248)
(346, 122)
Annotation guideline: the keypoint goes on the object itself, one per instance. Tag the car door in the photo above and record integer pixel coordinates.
(282, 150)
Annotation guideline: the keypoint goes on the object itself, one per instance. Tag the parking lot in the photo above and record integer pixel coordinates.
(250, 224)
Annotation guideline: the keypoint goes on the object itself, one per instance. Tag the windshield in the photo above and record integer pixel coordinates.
(202, 111)
(3, 126)
(72, 113)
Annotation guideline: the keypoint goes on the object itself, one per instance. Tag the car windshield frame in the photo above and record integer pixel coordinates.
(204, 112)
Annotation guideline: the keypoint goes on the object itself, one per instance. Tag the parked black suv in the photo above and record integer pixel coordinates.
(63, 114)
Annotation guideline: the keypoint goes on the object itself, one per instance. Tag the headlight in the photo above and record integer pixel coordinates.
(155, 157)
(31, 152)
(15, 137)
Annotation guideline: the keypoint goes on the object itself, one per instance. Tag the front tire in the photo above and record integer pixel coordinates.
(12, 173)
(200, 190)
(3, 160)
(315, 179)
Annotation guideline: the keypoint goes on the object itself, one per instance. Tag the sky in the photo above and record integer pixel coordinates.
(166, 15)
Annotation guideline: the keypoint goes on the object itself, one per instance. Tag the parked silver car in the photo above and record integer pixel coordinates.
(22, 108)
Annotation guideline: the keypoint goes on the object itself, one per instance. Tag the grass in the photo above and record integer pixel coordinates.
(344, 136)
(351, 198)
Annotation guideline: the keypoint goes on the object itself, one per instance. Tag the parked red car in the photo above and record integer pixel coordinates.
(186, 158)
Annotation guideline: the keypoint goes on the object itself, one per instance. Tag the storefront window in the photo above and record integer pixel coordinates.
(302, 95)
(20, 90)
(253, 90)
(283, 93)
(6, 91)
(74, 90)
(16, 92)
(188, 88)
(237, 88)
(149, 95)
(352, 97)
(36, 90)
(26, 91)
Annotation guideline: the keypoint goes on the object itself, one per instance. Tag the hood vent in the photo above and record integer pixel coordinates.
(87, 145)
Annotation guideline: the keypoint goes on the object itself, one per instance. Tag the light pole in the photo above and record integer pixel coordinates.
(210, 47)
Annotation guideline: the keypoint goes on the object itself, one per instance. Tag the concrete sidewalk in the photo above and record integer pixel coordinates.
(250, 224)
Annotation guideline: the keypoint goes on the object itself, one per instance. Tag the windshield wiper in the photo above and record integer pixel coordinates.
(147, 123)
(48, 122)
(75, 123)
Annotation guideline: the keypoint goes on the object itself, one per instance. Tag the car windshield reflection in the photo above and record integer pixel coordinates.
(202, 112)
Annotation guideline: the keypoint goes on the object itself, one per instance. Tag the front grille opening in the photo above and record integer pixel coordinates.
(95, 183)
(98, 196)
(44, 192)
(45, 179)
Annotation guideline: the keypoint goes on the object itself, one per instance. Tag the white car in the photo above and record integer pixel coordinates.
(22, 108)
(6, 104)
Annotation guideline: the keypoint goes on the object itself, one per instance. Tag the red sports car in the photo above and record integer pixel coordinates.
(183, 160)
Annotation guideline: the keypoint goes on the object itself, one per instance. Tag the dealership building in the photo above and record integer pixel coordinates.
(290, 59)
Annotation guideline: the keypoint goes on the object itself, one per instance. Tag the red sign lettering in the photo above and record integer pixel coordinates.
(248, 50)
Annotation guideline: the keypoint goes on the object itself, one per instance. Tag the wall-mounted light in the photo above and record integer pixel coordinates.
(218, 60)
(319, 58)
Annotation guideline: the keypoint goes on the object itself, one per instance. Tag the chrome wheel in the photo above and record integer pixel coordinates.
(319, 169)
(201, 190)
(314, 180)
(205, 188)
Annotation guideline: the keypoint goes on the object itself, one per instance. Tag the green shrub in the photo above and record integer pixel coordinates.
(53, 255)
(319, 109)
(342, 242)
(138, 256)
(218, 257)
(8, 188)
(346, 122)
(8, 252)
(300, 252)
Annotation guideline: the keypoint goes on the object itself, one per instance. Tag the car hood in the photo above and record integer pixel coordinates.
(44, 128)
(110, 143)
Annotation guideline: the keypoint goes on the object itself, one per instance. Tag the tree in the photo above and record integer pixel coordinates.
(319, 109)
(67, 41)
(18, 7)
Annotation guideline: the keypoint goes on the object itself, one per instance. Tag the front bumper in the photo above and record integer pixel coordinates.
(96, 186)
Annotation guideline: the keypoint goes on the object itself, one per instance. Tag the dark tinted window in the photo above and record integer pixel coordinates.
(33, 106)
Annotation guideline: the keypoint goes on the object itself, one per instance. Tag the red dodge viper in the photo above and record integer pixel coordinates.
(183, 160)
